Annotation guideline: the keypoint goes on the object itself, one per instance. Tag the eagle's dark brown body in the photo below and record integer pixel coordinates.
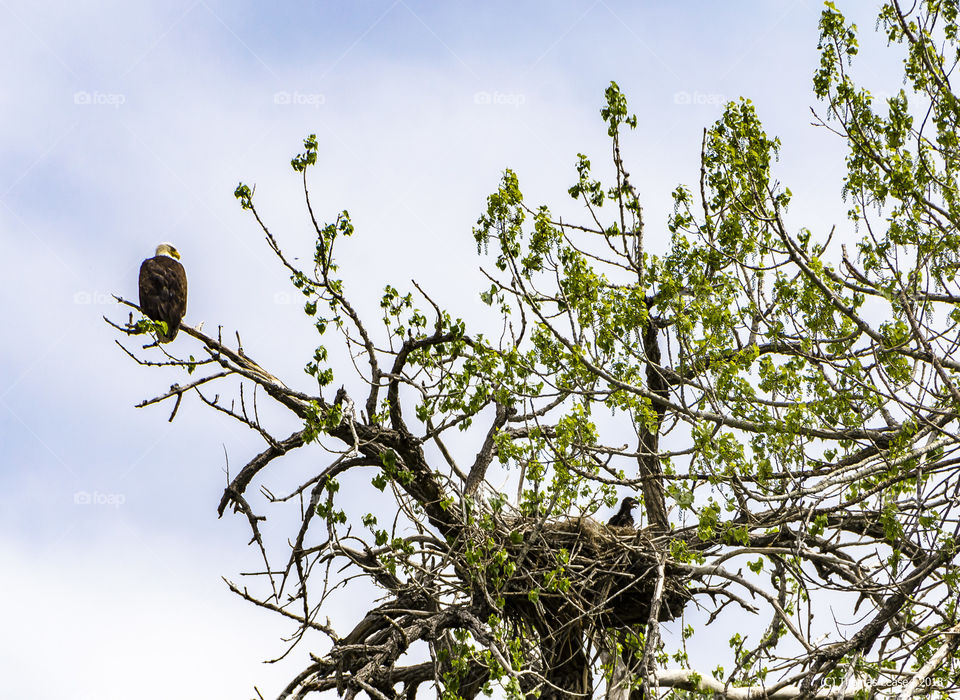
(163, 293)
(624, 516)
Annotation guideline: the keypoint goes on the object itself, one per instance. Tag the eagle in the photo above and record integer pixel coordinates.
(623, 517)
(163, 290)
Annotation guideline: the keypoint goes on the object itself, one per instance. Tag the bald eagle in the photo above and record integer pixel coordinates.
(623, 517)
(163, 290)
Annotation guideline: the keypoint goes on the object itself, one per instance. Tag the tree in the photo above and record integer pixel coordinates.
(787, 412)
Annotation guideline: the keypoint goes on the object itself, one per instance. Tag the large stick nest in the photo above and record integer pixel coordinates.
(582, 569)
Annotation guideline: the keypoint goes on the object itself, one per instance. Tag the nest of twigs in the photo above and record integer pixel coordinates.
(582, 569)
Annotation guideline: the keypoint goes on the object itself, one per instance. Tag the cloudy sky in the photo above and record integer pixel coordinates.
(126, 124)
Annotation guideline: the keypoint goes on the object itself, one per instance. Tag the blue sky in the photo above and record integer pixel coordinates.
(126, 124)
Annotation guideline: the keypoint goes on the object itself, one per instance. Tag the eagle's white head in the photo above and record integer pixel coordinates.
(168, 250)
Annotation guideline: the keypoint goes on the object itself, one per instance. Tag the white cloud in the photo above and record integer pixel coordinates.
(114, 621)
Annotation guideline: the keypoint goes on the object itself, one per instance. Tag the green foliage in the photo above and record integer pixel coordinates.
(309, 157)
(615, 112)
(245, 195)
